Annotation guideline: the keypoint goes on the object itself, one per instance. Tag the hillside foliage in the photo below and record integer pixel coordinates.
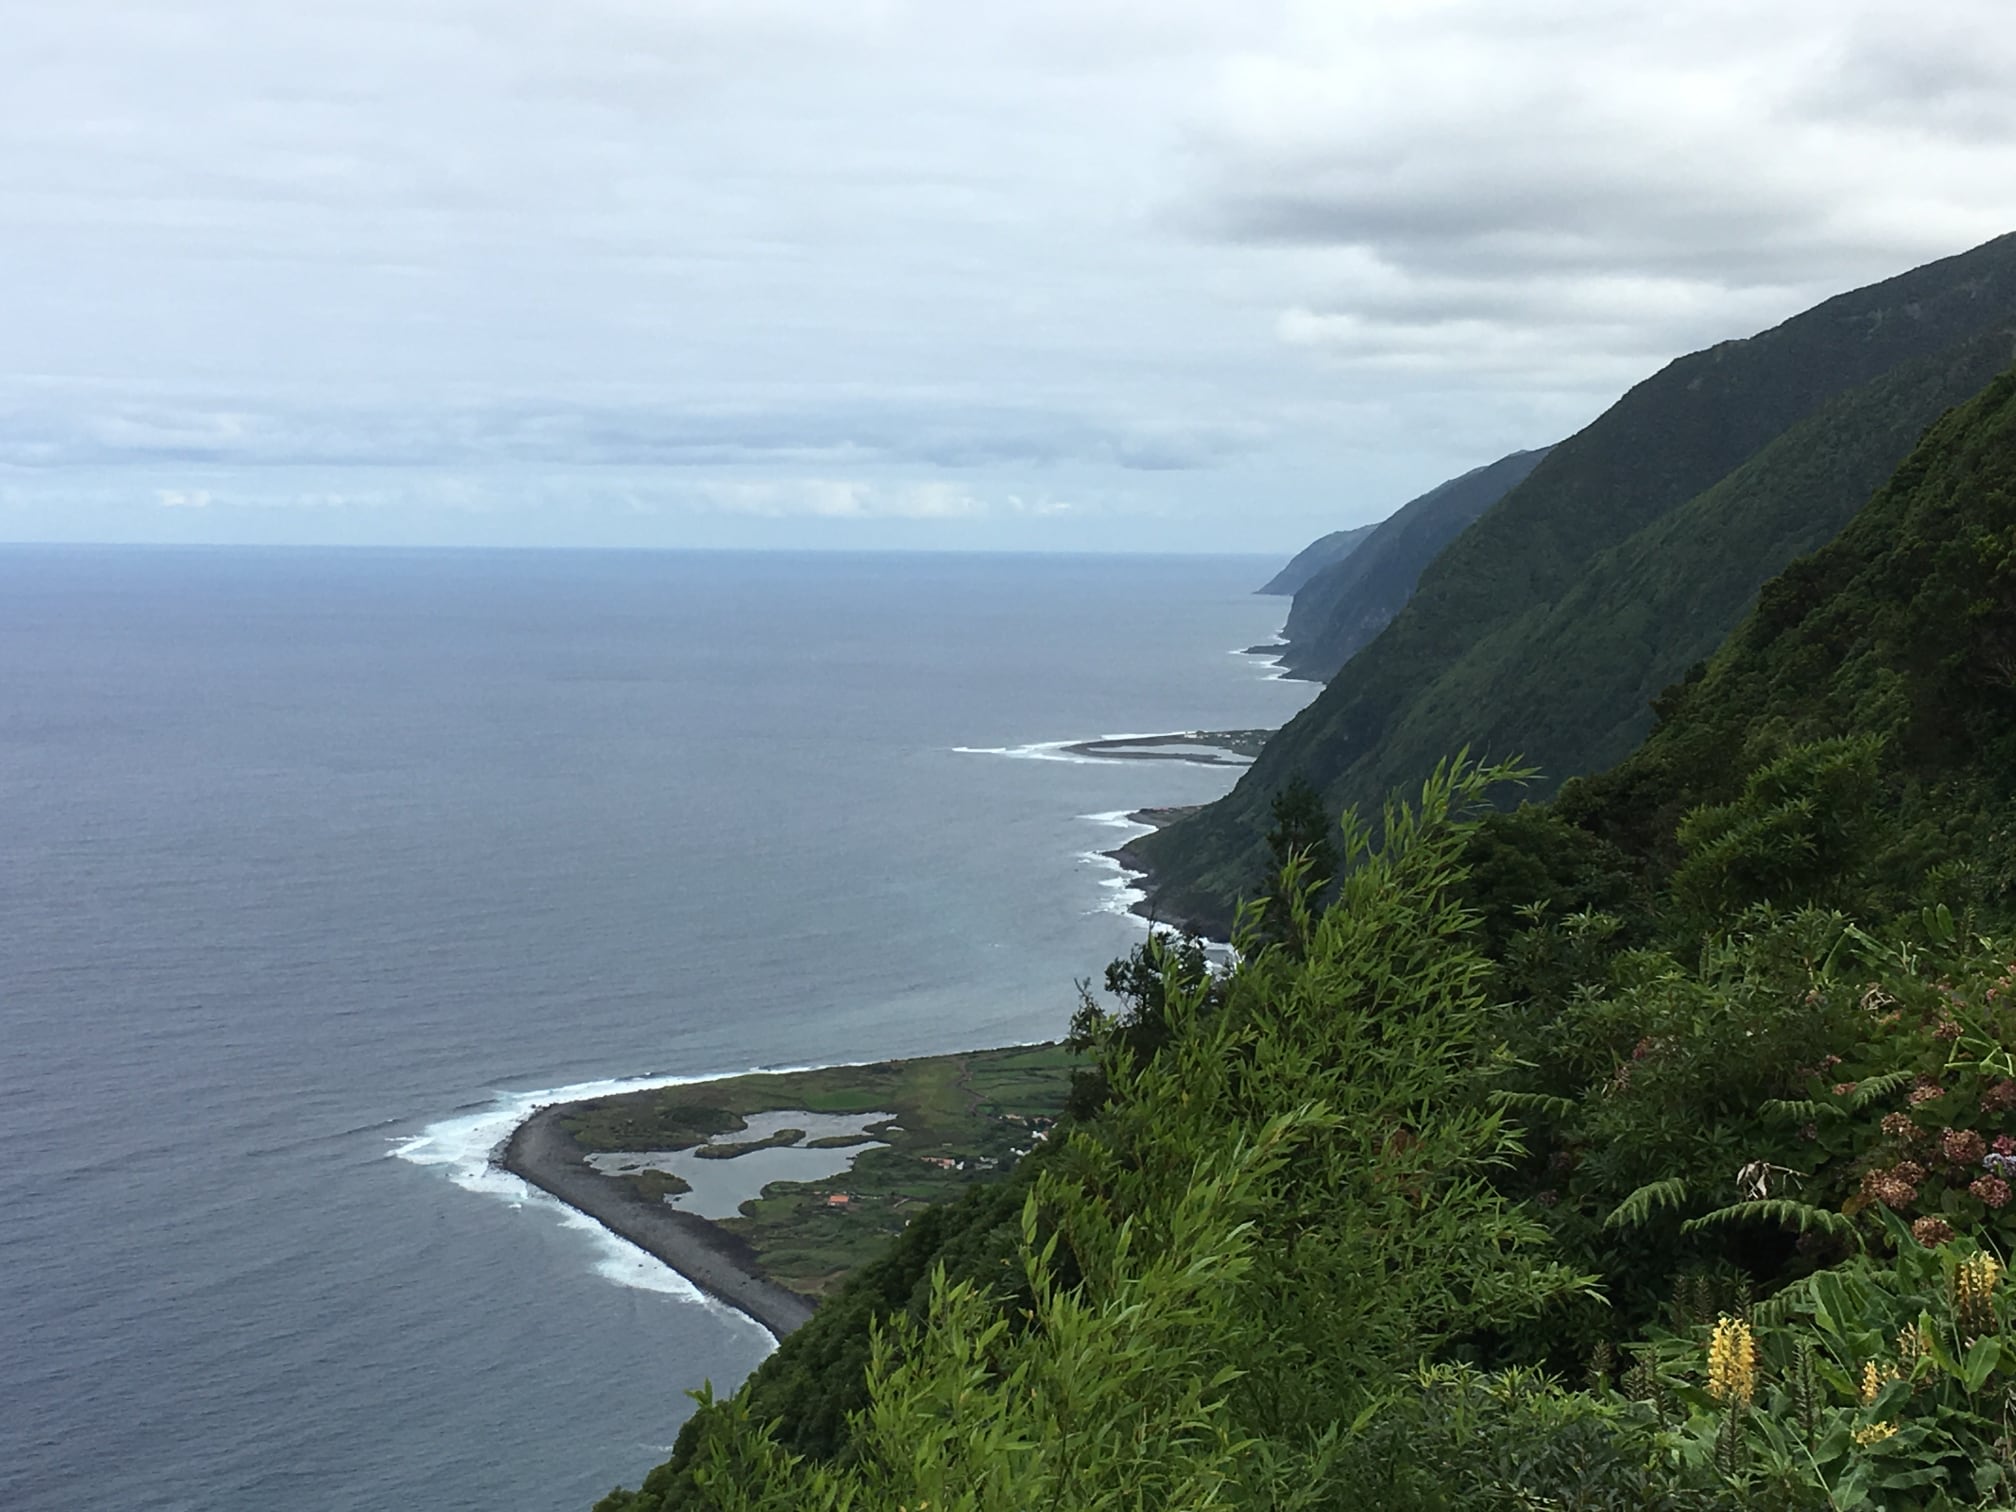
(1342, 606)
(1548, 626)
(1653, 1148)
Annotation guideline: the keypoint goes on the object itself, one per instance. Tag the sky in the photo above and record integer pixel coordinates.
(1133, 275)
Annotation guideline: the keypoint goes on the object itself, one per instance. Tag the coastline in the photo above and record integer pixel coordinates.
(724, 1265)
(1134, 869)
(545, 1155)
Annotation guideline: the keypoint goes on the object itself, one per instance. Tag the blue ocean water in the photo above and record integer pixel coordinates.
(317, 867)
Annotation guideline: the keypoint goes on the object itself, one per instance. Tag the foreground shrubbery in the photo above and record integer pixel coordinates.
(1655, 1149)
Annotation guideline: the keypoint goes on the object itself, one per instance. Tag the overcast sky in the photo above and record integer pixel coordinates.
(1048, 274)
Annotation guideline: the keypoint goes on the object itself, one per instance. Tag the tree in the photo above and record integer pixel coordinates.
(1302, 860)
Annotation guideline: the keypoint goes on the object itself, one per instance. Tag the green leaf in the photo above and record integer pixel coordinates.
(1982, 1358)
(1802, 1216)
(1641, 1204)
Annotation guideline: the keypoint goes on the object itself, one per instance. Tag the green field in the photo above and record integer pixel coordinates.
(977, 1111)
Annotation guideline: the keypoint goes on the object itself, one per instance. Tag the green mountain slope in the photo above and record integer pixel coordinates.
(1570, 686)
(1536, 604)
(1341, 607)
(1323, 552)
(1903, 628)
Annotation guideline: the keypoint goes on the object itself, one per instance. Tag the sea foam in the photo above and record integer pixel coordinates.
(1060, 750)
(465, 1146)
(1120, 889)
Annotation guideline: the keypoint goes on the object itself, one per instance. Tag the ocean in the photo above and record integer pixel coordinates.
(321, 867)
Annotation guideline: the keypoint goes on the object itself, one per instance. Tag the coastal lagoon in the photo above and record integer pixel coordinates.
(717, 1187)
(324, 868)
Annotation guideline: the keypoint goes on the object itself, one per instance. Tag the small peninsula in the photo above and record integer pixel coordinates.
(766, 1190)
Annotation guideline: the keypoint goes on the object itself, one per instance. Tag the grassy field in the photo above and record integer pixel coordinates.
(958, 1119)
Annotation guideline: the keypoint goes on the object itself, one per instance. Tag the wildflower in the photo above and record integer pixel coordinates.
(1962, 1146)
(1998, 1164)
(2005, 1144)
(1974, 1281)
(1909, 1170)
(1921, 1095)
(1899, 1126)
(1992, 1190)
(1875, 1433)
(1874, 1378)
(1931, 1232)
(1888, 1188)
(1914, 1342)
(1946, 1029)
(2000, 1098)
(1844, 1089)
(1732, 1361)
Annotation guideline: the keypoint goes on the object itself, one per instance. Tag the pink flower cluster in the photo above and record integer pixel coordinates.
(1962, 1146)
(1931, 1232)
(1889, 1188)
(1992, 1190)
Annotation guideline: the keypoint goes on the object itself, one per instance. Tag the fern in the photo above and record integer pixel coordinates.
(1803, 1109)
(1536, 1102)
(1878, 1086)
(1797, 1297)
(1803, 1216)
(1641, 1204)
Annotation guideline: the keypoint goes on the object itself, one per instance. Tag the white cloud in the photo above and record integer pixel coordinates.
(1556, 193)
(1251, 272)
(843, 499)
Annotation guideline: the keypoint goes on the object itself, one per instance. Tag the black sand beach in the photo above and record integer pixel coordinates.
(543, 1153)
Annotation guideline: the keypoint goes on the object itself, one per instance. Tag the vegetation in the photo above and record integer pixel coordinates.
(959, 1120)
(1340, 608)
(1627, 555)
(1654, 1148)
(1325, 551)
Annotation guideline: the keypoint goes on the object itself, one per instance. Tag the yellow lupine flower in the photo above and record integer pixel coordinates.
(1732, 1361)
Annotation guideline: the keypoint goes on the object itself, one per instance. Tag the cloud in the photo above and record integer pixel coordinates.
(1248, 272)
(844, 499)
(109, 429)
(1561, 191)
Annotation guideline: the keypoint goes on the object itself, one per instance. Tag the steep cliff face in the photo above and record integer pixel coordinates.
(1324, 552)
(1343, 606)
(1631, 548)
(1903, 628)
